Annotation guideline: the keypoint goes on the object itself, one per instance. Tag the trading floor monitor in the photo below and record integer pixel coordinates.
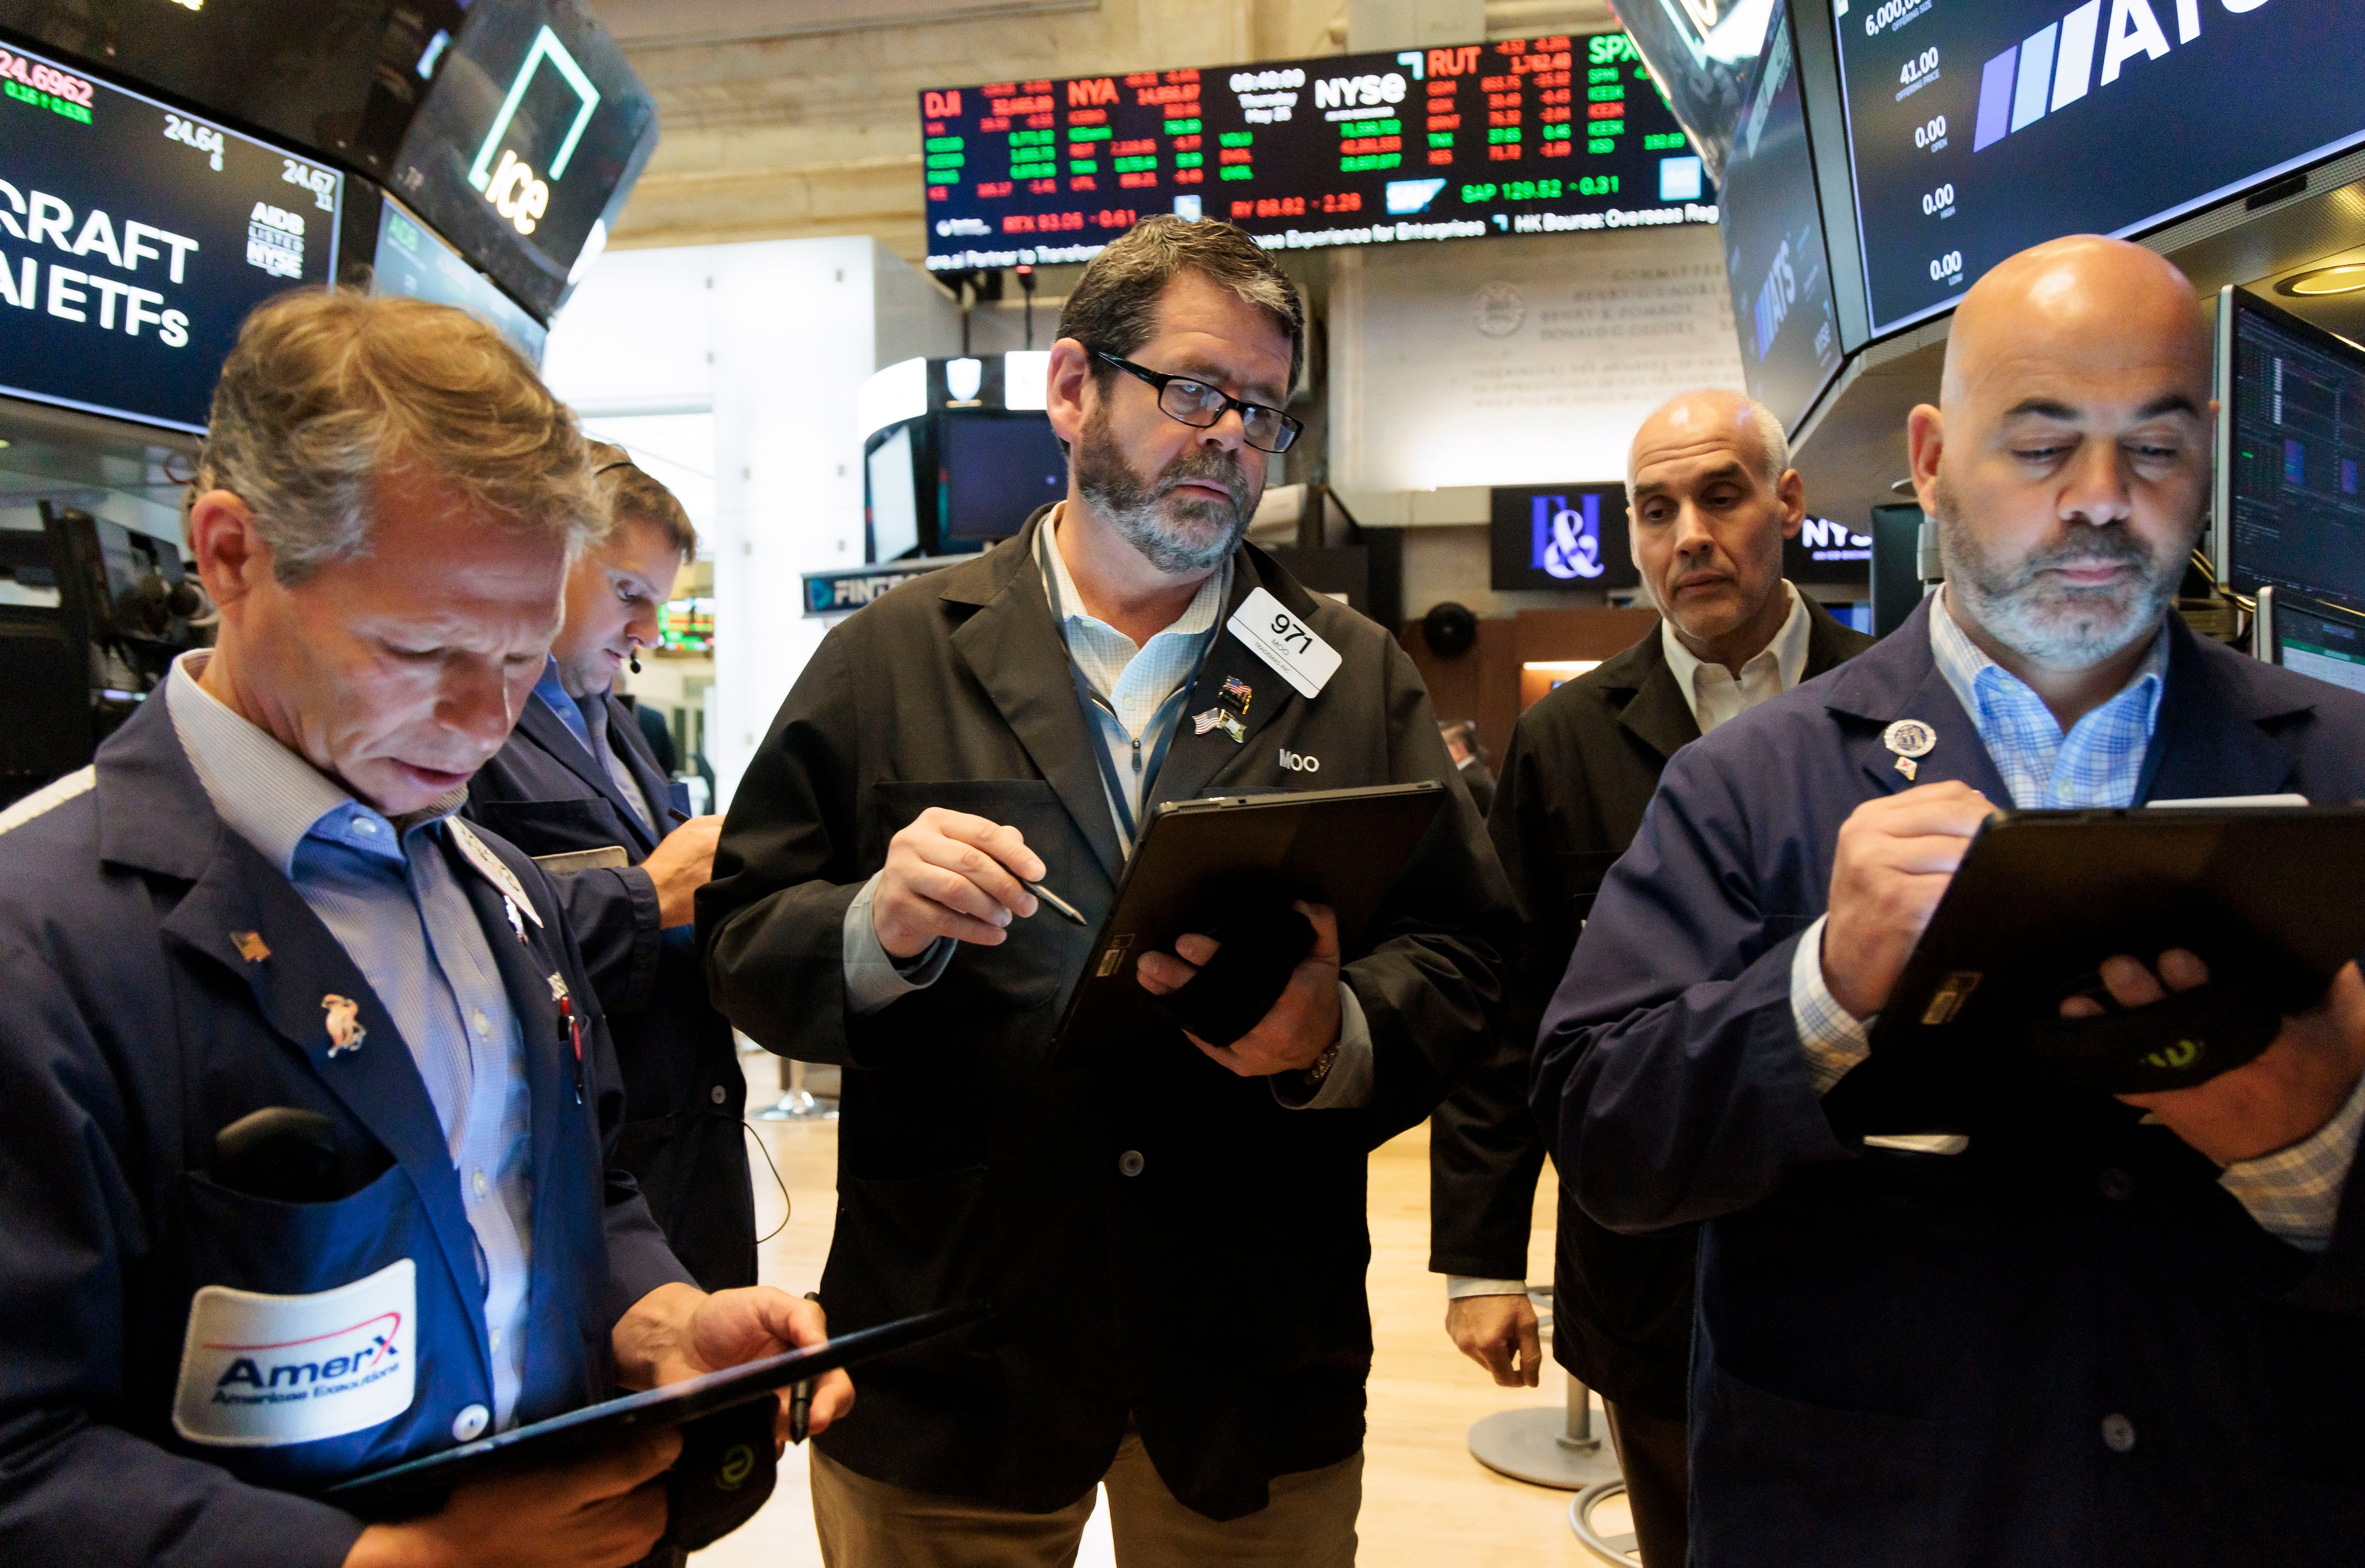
(2291, 469)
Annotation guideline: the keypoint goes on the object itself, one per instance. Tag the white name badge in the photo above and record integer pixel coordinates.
(1284, 642)
(265, 1370)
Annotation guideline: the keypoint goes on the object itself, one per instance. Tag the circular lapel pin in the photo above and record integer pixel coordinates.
(1909, 738)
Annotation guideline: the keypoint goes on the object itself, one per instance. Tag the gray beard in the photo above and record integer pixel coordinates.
(2053, 624)
(1178, 537)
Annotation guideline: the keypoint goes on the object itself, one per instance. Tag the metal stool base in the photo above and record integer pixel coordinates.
(798, 1105)
(1532, 1445)
(1619, 1549)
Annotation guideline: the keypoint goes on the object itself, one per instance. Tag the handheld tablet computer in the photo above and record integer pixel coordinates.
(2272, 897)
(1340, 847)
(418, 1484)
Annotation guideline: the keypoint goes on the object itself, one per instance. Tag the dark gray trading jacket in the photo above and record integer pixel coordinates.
(1217, 1296)
(1913, 1358)
(1582, 766)
(683, 1140)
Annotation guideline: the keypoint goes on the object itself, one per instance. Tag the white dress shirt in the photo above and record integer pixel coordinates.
(1714, 694)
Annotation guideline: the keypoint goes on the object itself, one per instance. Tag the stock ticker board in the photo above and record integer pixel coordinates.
(1535, 136)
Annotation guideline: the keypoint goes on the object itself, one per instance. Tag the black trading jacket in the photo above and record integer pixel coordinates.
(1217, 1295)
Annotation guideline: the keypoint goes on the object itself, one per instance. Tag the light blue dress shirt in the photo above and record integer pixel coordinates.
(587, 720)
(2294, 1193)
(388, 896)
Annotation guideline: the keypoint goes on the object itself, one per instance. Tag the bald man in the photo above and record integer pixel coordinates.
(2102, 1332)
(1712, 497)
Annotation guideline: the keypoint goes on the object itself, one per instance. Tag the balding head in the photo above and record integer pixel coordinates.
(1692, 422)
(1712, 496)
(2066, 463)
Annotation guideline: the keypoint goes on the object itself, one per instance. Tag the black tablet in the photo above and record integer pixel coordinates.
(396, 1490)
(2271, 896)
(1340, 847)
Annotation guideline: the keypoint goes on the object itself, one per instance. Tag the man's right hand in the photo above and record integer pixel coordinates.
(1498, 1332)
(680, 864)
(1895, 856)
(602, 1512)
(950, 874)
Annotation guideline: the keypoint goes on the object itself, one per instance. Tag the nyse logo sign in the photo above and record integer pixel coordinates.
(2053, 66)
(513, 189)
(1567, 540)
(1824, 540)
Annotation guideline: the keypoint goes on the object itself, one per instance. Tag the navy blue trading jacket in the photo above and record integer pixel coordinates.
(164, 981)
(1907, 1358)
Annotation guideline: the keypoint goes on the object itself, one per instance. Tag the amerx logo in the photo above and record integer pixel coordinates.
(2055, 66)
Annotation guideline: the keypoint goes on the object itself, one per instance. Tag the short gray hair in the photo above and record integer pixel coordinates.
(1769, 436)
(1114, 307)
(325, 391)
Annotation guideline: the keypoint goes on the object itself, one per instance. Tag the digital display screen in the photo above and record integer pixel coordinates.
(1827, 552)
(894, 498)
(1774, 253)
(412, 260)
(2319, 645)
(528, 144)
(1979, 127)
(135, 239)
(339, 78)
(687, 626)
(1540, 136)
(1560, 536)
(2298, 441)
(995, 468)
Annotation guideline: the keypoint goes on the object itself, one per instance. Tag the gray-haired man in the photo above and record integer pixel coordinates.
(1713, 497)
(1173, 1238)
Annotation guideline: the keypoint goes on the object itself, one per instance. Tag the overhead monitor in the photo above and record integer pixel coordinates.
(2319, 640)
(994, 468)
(134, 239)
(2291, 476)
(1775, 261)
(1540, 136)
(412, 260)
(1560, 536)
(1979, 129)
(337, 78)
(528, 144)
(894, 501)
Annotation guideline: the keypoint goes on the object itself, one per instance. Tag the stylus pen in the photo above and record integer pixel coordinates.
(1065, 909)
(801, 1398)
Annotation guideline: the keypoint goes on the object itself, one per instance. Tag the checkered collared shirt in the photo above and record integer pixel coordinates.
(2294, 1193)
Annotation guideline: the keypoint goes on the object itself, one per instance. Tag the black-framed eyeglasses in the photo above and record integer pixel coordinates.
(1198, 405)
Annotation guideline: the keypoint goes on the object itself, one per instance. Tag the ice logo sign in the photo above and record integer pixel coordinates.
(1568, 539)
(512, 188)
(2053, 66)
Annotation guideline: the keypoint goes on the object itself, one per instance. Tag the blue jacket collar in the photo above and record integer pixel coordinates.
(2212, 737)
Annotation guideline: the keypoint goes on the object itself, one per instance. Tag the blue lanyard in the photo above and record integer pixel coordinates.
(1160, 732)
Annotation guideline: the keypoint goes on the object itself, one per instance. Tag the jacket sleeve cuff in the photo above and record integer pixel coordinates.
(1348, 1085)
(1459, 1287)
(648, 937)
(874, 977)
(1831, 1039)
(2295, 1193)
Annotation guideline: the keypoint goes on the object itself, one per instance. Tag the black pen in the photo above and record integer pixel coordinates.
(1060, 906)
(800, 1397)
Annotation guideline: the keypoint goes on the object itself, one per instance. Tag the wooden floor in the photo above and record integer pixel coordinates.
(1426, 1501)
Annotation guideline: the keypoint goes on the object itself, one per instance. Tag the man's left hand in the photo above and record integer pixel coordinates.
(678, 1332)
(2283, 1096)
(1301, 1026)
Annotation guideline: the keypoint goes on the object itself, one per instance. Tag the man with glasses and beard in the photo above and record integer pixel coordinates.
(2093, 1330)
(1173, 1238)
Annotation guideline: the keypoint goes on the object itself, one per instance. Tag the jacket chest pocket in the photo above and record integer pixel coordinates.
(314, 1341)
(544, 827)
(1037, 955)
